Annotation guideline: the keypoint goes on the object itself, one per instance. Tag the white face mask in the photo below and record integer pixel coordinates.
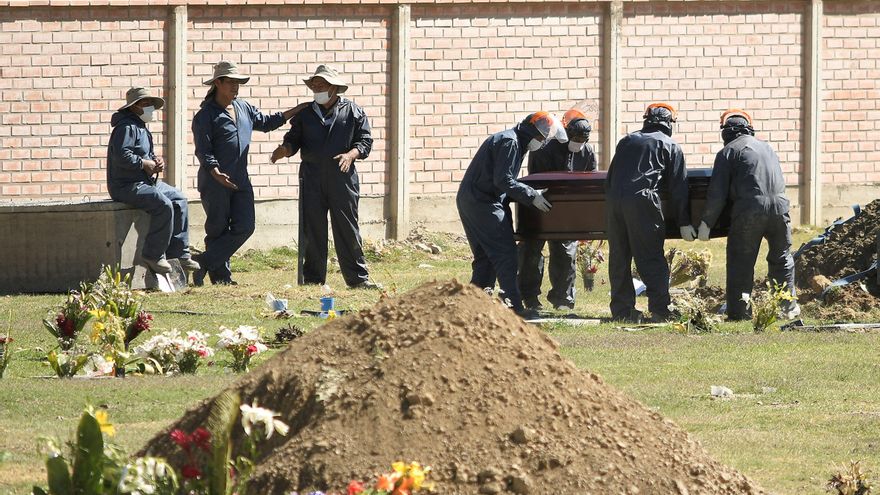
(322, 98)
(147, 116)
(535, 145)
(575, 147)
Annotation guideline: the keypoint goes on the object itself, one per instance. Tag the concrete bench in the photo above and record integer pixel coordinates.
(52, 247)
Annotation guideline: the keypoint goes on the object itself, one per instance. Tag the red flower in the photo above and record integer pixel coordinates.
(181, 439)
(251, 350)
(202, 438)
(355, 487)
(65, 325)
(191, 472)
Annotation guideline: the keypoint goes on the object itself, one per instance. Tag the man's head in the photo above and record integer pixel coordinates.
(225, 81)
(142, 103)
(735, 123)
(326, 83)
(578, 132)
(661, 115)
(542, 126)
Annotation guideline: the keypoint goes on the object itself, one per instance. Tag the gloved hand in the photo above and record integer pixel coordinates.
(688, 233)
(540, 202)
(704, 232)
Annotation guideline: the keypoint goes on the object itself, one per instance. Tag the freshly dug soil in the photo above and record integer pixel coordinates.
(849, 249)
(447, 377)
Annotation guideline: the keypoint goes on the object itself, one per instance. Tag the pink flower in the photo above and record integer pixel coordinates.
(181, 439)
(202, 438)
(251, 350)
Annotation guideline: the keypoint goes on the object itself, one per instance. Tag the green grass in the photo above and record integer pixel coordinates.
(804, 402)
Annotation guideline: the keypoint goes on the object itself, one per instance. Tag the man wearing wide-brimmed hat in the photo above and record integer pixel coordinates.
(332, 133)
(131, 166)
(222, 133)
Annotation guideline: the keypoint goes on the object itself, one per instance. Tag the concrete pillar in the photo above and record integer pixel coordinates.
(398, 226)
(812, 190)
(175, 109)
(612, 21)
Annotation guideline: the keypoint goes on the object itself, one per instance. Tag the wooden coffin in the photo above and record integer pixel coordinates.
(578, 212)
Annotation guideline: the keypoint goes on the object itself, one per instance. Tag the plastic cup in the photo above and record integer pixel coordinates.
(328, 303)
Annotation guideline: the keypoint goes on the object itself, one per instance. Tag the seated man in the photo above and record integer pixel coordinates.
(132, 178)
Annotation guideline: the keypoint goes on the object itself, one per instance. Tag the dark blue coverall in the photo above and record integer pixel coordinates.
(644, 161)
(320, 134)
(483, 202)
(130, 143)
(553, 157)
(747, 173)
(223, 143)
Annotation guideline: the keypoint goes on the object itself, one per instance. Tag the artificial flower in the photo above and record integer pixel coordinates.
(355, 487)
(191, 472)
(252, 415)
(103, 421)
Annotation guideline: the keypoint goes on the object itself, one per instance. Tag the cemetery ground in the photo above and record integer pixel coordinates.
(804, 403)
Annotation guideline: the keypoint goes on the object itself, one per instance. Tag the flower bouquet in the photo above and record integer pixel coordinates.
(686, 266)
(67, 363)
(5, 353)
(169, 352)
(68, 320)
(108, 333)
(243, 343)
(589, 257)
(112, 292)
(403, 480)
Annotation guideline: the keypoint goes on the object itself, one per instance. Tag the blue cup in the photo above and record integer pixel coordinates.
(328, 303)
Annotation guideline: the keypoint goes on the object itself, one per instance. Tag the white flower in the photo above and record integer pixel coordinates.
(251, 415)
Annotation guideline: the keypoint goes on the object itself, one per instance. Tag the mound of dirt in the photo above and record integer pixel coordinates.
(849, 248)
(445, 376)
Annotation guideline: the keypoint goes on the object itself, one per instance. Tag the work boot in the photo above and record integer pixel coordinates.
(533, 303)
(224, 281)
(665, 316)
(159, 266)
(199, 274)
(189, 264)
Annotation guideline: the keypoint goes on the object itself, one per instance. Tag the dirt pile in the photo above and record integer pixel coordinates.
(445, 376)
(849, 248)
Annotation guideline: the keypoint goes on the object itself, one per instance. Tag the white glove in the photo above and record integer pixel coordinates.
(704, 232)
(688, 233)
(540, 202)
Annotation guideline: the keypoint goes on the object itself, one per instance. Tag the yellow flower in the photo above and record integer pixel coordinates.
(417, 474)
(97, 330)
(98, 314)
(399, 467)
(106, 427)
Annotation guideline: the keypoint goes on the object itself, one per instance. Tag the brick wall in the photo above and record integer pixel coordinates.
(475, 69)
(278, 46)
(851, 93)
(704, 58)
(484, 69)
(64, 71)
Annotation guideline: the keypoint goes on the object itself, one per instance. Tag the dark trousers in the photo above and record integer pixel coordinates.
(230, 221)
(562, 269)
(337, 194)
(743, 242)
(489, 231)
(636, 231)
(169, 217)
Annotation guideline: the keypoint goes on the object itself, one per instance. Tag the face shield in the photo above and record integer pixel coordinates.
(549, 126)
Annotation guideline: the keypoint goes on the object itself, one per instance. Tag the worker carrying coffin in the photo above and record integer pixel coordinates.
(574, 156)
(645, 161)
(484, 196)
(747, 174)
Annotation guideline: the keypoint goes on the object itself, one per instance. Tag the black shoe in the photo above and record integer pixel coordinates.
(634, 316)
(533, 303)
(665, 317)
(527, 313)
(224, 281)
(198, 277)
(367, 284)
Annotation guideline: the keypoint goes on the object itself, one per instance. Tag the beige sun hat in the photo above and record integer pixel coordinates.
(330, 75)
(227, 69)
(135, 95)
